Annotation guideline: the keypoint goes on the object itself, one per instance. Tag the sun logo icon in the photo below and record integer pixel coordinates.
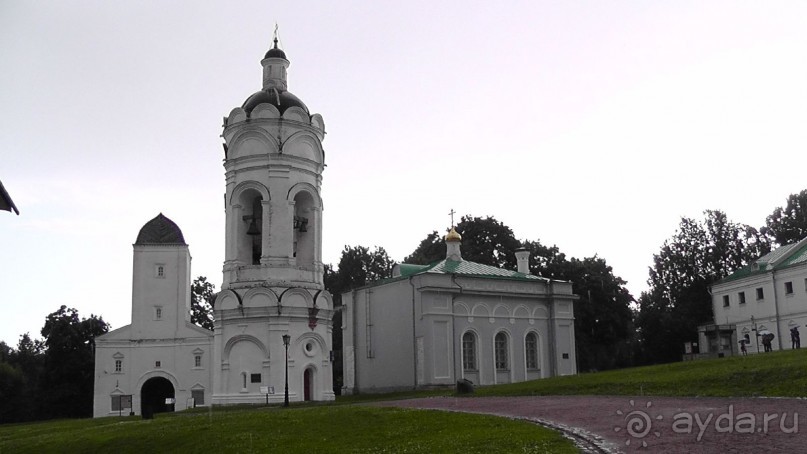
(638, 424)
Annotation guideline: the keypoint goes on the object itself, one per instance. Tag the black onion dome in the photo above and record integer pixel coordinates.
(275, 53)
(160, 230)
(281, 99)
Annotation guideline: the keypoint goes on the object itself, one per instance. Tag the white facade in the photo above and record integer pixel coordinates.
(431, 326)
(161, 346)
(273, 278)
(768, 295)
(273, 272)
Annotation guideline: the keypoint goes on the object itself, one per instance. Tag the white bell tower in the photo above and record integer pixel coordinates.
(274, 162)
(273, 272)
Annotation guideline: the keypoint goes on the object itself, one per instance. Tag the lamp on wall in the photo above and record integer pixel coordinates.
(286, 340)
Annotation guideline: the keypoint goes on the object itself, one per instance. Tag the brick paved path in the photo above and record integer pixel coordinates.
(668, 424)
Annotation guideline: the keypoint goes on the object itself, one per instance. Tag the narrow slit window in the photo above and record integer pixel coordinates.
(531, 350)
(500, 347)
(469, 351)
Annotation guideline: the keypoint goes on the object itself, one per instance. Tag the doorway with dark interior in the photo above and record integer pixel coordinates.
(308, 382)
(153, 396)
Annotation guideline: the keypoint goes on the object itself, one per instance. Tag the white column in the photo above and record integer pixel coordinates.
(266, 229)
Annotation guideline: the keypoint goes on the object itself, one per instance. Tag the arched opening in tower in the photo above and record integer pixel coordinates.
(256, 230)
(304, 229)
(250, 242)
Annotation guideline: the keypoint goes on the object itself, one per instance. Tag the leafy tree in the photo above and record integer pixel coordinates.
(430, 250)
(13, 390)
(698, 254)
(5, 352)
(12, 385)
(788, 225)
(603, 317)
(67, 384)
(484, 240)
(547, 261)
(29, 359)
(202, 303)
(358, 266)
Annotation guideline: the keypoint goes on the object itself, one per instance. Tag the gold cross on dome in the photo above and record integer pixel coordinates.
(452, 213)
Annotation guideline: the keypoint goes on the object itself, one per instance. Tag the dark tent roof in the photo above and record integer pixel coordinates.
(160, 230)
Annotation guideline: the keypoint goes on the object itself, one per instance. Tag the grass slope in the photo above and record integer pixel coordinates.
(777, 374)
(343, 429)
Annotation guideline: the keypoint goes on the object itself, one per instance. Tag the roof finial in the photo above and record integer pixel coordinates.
(275, 38)
(453, 240)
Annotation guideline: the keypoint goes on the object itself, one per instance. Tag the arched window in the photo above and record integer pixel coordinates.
(500, 350)
(118, 358)
(531, 350)
(469, 351)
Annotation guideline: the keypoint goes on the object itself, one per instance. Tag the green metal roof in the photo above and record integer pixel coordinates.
(776, 254)
(782, 257)
(798, 256)
(466, 268)
(408, 269)
(459, 268)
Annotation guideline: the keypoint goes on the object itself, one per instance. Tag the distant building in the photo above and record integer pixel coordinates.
(433, 325)
(273, 278)
(767, 296)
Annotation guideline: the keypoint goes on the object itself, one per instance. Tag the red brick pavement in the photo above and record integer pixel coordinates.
(668, 424)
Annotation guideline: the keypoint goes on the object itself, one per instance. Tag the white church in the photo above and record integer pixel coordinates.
(431, 325)
(273, 315)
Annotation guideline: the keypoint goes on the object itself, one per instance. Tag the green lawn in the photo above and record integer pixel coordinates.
(341, 428)
(779, 374)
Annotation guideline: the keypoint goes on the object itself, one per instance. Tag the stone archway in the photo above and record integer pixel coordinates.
(153, 394)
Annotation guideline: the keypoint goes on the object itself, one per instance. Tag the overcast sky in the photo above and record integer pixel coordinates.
(593, 126)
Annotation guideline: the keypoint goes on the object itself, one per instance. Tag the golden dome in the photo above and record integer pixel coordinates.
(453, 236)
